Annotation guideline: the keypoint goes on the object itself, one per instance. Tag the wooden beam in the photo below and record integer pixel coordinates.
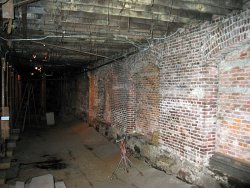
(160, 6)
(161, 14)
(24, 20)
(25, 2)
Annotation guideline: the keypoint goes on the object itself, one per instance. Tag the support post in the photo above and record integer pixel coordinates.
(91, 97)
(43, 95)
(3, 81)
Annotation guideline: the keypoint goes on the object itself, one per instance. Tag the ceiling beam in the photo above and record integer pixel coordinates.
(162, 14)
(159, 6)
(196, 5)
(24, 2)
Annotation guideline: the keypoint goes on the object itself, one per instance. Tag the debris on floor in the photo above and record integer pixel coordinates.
(89, 160)
(60, 184)
(44, 181)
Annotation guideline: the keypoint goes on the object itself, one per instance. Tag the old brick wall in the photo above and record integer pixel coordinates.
(147, 82)
(187, 113)
(75, 96)
(144, 94)
(172, 88)
(233, 132)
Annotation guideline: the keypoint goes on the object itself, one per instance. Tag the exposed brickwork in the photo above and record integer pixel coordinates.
(119, 96)
(75, 97)
(187, 117)
(147, 83)
(172, 88)
(234, 105)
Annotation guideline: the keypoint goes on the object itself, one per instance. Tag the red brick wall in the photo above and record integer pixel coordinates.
(172, 88)
(188, 103)
(119, 96)
(146, 83)
(233, 133)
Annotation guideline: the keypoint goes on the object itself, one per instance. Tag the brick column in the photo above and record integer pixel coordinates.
(131, 107)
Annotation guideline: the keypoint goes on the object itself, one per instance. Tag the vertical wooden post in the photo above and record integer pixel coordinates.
(91, 97)
(5, 110)
(3, 81)
(43, 95)
(7, 84)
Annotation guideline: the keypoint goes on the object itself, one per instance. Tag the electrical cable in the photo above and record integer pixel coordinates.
(43, 38)
(78, 51)
(3, 1)
(56, 46)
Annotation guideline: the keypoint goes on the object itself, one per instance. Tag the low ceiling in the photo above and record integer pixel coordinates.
(80, 32)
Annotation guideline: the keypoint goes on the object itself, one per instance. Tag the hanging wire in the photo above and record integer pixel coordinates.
(3, 1)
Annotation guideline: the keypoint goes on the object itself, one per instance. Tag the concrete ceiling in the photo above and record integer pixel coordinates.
(80, 32)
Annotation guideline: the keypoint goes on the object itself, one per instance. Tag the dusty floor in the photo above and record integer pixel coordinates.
(82, 158)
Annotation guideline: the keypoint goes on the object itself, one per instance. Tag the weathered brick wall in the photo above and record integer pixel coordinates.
(187, 117)
(119, 95)
(75, 97)
(101, 91)
(144, 94)
(147, 82)
(172, 88)
(233, 133)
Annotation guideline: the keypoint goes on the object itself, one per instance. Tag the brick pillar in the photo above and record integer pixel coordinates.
(131, 106)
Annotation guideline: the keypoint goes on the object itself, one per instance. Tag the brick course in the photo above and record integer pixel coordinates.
(233, 133)
(175, 88)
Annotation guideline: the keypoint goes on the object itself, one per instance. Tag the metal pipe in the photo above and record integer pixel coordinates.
(43, 38)
(25, 2)
(113, 60)
(3, 1)
(18, 3)
(70, 49)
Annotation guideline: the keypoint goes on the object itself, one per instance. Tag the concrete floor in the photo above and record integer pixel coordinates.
(83, 159)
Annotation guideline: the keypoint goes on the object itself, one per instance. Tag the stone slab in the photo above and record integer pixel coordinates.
(19, 184)
(45, 181)
(60, 184)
